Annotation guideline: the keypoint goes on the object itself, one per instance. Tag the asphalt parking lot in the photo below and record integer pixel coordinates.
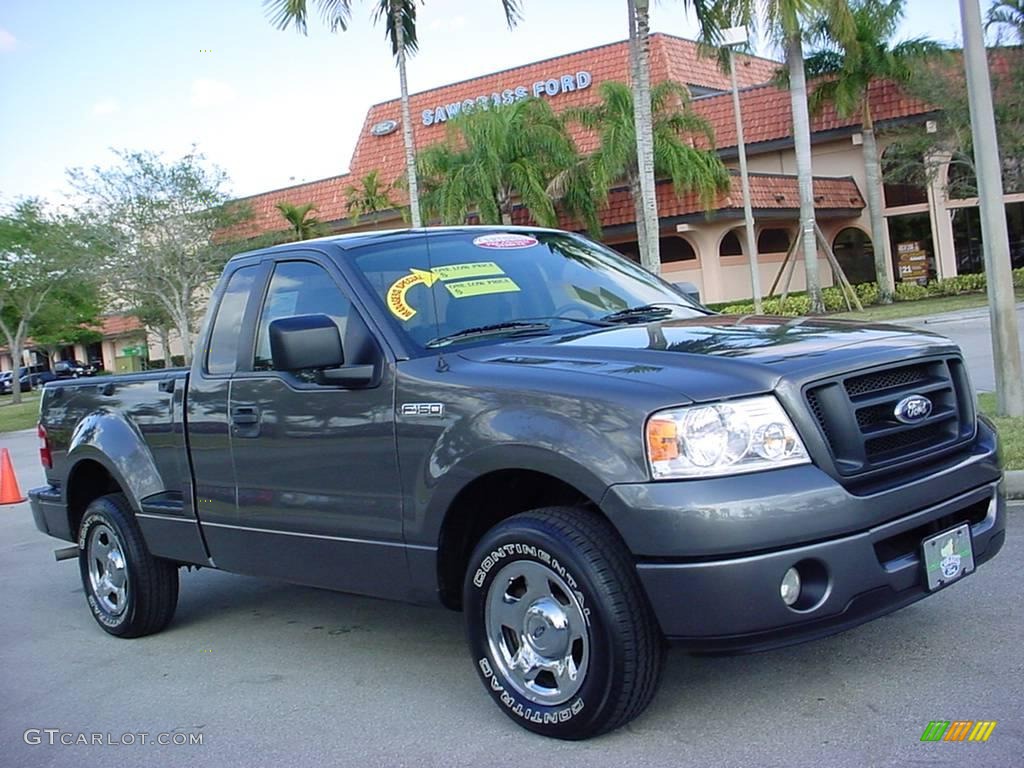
(272, 674)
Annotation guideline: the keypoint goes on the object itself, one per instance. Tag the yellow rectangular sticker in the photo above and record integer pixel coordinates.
(481, 287)
(459, 271)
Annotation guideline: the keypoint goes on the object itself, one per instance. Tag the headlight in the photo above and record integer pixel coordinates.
(723, 439)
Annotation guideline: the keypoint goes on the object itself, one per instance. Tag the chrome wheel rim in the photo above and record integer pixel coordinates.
(108, 570)
(537, 633)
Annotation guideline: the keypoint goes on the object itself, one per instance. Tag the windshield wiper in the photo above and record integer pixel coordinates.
(497, 329)
(643, 312)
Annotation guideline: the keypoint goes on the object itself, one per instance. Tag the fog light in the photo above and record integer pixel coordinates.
(790, 589)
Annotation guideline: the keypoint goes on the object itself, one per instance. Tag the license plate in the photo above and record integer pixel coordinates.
(948, 556)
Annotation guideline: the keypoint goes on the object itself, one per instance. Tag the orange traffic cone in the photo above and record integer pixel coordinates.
(10, 493)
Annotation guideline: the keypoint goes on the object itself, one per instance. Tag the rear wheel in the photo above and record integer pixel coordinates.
(130, 592)
(558, 624)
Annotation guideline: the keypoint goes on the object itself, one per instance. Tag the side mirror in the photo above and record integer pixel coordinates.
(689, 290)
(312, 342)
(305, 342)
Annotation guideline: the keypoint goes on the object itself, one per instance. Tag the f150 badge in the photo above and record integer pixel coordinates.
(435, 410)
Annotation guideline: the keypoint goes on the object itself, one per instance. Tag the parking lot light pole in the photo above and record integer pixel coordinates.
(732, 39)
(994, 235)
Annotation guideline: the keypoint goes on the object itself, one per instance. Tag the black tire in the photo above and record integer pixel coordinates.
(149, 585)
(620, 667)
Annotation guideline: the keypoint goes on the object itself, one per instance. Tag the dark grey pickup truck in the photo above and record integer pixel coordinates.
(523, 425)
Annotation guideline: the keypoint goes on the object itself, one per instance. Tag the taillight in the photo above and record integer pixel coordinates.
(44, 448)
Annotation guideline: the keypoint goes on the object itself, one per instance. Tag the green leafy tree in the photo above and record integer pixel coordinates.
(673, 125)
(1008, 15)
(154, 316)
(399, 18)
(164, 223)
(848, 65)
(494, 157)
(43, 255)
(370, 195)
(70, 316)
(302, 220)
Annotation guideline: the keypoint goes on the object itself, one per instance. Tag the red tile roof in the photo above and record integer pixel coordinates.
(768, 192)
(119, 325)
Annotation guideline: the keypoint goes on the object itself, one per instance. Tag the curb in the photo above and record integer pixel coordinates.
(1014, 484)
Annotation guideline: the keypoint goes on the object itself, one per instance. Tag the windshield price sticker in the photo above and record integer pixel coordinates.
(481, 287)
(398, 302)
(505, 241)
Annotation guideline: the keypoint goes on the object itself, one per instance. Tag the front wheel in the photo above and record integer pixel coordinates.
(130, 592)
(559, 627)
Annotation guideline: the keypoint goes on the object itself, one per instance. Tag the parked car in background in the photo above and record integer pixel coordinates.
(72, 369)
(42, 377)
(7, 381)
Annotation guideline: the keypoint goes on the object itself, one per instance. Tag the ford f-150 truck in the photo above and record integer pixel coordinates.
(521, 424)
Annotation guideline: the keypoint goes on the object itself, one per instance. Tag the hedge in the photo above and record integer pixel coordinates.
(797, 304)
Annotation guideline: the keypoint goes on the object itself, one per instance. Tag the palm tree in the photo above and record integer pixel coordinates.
(850, 65)
(616, 159)
(495, 156)
(400, 25)
(785, 20)
(370, 196)
(301, 219)
(709, 15)
(1008, 13)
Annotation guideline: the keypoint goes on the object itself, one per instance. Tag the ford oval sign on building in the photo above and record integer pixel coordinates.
(384, 127)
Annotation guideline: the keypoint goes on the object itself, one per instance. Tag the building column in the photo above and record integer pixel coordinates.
(705, 240)
(942, 222)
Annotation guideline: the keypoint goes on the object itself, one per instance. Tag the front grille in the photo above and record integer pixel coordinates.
(857, 414)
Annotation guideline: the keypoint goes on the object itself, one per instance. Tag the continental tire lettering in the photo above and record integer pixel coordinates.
(529, 550)
(527, 713)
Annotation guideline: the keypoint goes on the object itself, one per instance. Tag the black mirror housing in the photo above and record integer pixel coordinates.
(305, 342)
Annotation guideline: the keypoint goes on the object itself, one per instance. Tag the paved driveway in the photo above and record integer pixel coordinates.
(973, 332)
(277, 675)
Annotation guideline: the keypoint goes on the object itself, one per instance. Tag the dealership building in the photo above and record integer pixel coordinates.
(703, 247)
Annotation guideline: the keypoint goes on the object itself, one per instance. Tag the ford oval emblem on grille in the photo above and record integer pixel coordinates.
(913, 409)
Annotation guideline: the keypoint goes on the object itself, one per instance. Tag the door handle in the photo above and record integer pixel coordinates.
(245, 416)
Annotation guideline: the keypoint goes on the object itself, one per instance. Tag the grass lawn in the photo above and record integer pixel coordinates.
(21, 416)
(904, 309)
(1011, 432)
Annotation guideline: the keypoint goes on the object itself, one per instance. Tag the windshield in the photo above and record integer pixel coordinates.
(479, 280)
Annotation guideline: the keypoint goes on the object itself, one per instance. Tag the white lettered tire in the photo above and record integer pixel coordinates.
(129, 592)
(560, 630)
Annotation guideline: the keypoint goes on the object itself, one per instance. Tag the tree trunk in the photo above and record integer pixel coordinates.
(802, 138)
(14, 344)
(407, 137)
(872, 171)
(650, 256)
(638, 212)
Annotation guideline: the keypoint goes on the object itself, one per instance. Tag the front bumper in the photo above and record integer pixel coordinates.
(712, 554)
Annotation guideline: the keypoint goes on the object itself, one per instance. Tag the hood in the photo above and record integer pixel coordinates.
(719, 356)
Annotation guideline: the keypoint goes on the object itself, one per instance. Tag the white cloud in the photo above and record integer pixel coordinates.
(106, 107)
(8, 42)
(211, 93)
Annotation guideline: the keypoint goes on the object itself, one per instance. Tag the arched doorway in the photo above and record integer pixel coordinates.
(856, 255)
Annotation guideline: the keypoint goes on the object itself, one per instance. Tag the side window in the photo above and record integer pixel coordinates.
(298, 288)
(222, 355)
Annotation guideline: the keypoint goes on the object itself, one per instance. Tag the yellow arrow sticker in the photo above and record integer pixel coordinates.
(459, 271)
(397, 302)
(481, 287)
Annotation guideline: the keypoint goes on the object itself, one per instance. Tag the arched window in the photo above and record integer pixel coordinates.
(855, 255)
(904, 175)
(629, 249)
(675, 249)
(773, 241)
(730, 245)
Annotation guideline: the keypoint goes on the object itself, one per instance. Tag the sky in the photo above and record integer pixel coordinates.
(271, 107)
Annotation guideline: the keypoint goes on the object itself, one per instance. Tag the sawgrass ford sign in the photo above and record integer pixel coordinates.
(550, 88)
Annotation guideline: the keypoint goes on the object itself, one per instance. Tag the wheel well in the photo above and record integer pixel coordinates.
(88, 481)
(484, 503)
